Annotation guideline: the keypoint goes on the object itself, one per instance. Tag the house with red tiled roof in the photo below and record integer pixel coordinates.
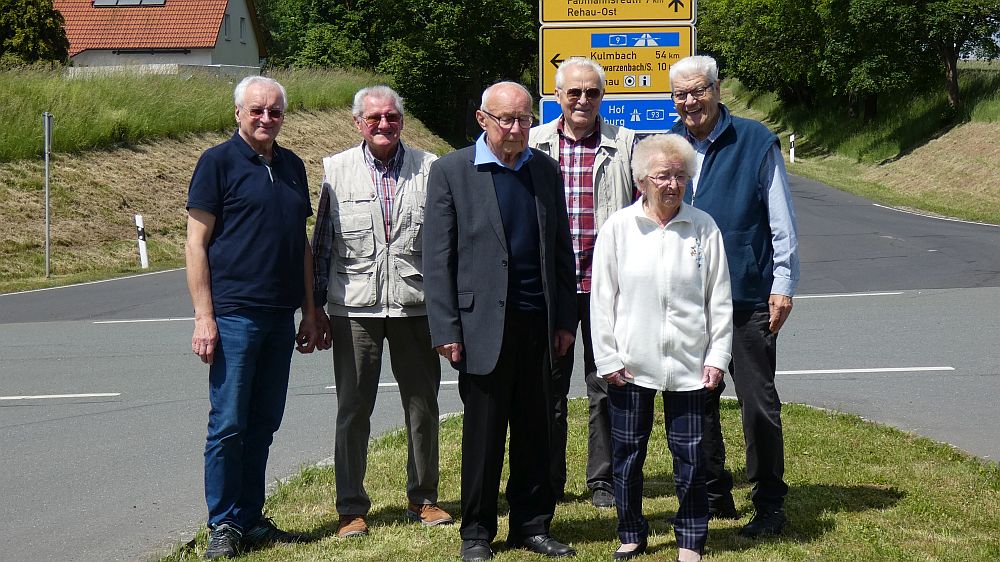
(187, 32)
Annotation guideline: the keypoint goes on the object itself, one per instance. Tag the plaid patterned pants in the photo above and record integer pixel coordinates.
(631, 411)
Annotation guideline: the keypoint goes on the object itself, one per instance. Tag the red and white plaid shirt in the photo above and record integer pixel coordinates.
(384, 176)
(576, 162)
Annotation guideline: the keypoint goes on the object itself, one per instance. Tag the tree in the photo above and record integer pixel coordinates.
(872, 48)
(445, 52)
(955, 26)
(31, 31)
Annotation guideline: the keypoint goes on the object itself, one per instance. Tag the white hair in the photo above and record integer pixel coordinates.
(669, 145)
(241, 89)
(380, 92)
(581, 62)
(700, 65)
(488, 92)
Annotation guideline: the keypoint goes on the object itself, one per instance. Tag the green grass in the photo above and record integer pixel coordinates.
(111, 110)
(858, 491)
(903, 123)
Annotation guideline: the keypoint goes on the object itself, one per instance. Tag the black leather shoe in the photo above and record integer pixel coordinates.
(542, 544)
(767, 522)
(602, 498)
(476, 550)
(723, 509)
(639, 551)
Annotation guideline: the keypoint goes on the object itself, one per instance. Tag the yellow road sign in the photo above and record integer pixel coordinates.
(603, 11)
(636, 60)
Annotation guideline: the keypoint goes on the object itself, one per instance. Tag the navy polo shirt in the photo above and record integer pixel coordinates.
(257, 248)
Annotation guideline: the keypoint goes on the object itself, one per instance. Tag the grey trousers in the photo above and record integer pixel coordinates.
(357, 362)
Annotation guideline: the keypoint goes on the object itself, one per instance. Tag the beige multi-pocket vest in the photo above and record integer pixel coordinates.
(369, 275)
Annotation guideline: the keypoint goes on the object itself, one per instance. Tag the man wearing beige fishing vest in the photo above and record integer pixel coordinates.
(595, 162)
(367, 251)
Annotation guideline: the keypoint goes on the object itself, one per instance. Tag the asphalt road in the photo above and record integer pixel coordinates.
(896, 321)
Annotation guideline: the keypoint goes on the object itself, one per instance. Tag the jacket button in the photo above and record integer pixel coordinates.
(504, 264)
(500, 302)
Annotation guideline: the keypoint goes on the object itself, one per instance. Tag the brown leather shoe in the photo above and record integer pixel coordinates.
(428, 514)
(352, 526)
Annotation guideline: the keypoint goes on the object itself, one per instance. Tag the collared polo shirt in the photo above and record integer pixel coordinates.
(257, 249)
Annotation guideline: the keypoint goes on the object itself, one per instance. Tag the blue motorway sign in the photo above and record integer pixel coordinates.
(643, 114)
(644, 39)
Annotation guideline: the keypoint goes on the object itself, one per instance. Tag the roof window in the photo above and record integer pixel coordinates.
(113, 3)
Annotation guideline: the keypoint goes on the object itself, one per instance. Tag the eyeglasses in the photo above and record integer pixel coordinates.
(665, 179)
(507, 122)
(258, 112)
(391, 118)
(697, 93)
(577, 93)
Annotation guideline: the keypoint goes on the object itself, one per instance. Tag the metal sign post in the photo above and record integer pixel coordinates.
(47, 125)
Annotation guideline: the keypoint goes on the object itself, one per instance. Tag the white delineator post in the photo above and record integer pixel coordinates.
(47, 126)
(141, 236)
(791, 148)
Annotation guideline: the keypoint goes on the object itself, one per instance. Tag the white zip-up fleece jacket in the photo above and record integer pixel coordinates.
(660, 301)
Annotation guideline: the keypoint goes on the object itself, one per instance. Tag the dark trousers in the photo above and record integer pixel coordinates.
(510, 395)
(599, 475)
(753, 368)
(631, 409)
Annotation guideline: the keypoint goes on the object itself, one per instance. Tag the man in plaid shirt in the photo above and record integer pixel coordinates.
(595, 160)
(368, 268)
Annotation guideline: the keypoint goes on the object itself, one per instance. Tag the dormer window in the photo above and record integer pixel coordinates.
(122, 3)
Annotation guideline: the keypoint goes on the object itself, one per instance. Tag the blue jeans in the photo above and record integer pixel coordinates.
(247, 385)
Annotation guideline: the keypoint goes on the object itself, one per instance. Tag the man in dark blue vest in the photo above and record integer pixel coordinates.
(741, 182)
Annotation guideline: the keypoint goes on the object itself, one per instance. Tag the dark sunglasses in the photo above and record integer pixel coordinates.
(577, 93)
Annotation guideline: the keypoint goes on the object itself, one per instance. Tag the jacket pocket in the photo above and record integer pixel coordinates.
(410, 288)
(465, 300)
(353, 286)
(354, 236)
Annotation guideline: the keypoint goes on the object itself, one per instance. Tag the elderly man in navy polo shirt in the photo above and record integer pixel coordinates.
(249, 267)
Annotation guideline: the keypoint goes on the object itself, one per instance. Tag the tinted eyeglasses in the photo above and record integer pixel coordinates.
(372, 120)
(577, 93)
(258, 112)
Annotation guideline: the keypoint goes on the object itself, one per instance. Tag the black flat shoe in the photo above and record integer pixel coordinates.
(765, 523)
(628, 555)
(542, 544)
(476, 551)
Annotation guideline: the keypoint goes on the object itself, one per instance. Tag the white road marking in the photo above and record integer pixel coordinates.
(393, 385)
(870, 370)
(927, 216)
(49, 396)
(93, 282)
(143, 320)
(838, 295)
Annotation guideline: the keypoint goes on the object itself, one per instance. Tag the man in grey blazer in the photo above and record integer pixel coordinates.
(500, 290)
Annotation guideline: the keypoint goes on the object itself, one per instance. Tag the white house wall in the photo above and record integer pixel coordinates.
(108, 58)
(234, 50)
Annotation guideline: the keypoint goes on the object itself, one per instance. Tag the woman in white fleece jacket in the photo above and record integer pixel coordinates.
(661, 321)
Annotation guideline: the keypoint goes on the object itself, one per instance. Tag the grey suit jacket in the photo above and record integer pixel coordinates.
(465, 256)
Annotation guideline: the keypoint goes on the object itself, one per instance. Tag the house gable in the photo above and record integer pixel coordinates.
(176, 27)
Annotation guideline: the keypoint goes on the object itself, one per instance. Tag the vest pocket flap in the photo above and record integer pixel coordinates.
(353, 223)
(406, 269)
(465, 300)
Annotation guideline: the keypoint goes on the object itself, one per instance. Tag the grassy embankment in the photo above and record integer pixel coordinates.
(126, 145)
(858, 491)
(913, 155)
